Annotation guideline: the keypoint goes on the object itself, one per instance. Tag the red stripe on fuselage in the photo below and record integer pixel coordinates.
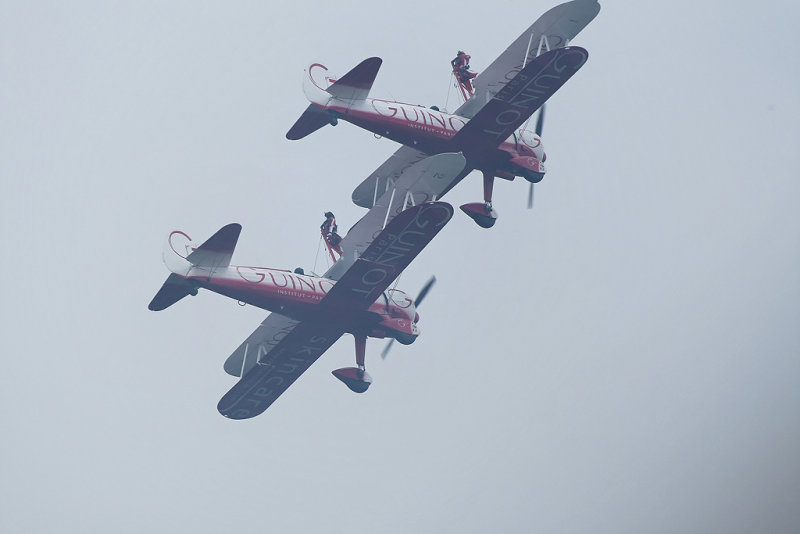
(416, 126)
(291, 294)
(422, 128)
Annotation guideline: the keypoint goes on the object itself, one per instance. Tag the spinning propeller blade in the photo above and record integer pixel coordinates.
(539, 126)
(417, 301)
(540, 120)
(424, 291)
(530, 197)
(385, 350)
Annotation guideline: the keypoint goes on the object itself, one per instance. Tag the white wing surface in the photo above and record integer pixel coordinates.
(268, 334)
(389, 172)
(278, 368)
(420, 182)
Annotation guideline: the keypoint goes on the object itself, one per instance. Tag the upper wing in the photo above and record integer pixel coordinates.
(423, 181)
(268, 334)
(519, 99)
(391, 251)
(277, 369)
(379, 181)
(552, 30)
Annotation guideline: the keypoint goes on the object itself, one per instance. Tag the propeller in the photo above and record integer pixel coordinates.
(539, 125)
(424, 291)
(385, 350)
(530, 197)
(540, 120)
(417, 301)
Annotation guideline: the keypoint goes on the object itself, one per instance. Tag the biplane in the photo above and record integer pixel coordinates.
(485, 128)
(310, 313)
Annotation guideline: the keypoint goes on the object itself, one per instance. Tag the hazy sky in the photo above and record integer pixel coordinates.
(623, 358)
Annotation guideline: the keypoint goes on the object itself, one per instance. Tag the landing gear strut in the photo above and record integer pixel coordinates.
(483, 214)
(356, 378)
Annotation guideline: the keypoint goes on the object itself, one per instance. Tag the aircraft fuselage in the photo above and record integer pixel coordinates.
(432, 132)
(298, 296)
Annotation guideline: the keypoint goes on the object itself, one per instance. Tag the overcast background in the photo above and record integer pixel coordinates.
(624, 358)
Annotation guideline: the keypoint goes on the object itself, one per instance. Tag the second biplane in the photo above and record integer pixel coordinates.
(309, 313)
(485, 128)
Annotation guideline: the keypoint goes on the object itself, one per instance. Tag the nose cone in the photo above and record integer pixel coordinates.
(529, 167)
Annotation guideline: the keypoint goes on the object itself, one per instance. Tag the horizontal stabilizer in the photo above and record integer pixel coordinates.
(312, 119)
(355, 85)
(173, 290)
(279, 365)
(217, 251)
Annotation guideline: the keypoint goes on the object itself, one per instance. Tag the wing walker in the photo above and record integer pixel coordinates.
(310, 312)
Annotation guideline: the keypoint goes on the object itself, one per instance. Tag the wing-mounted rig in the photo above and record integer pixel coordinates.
(462, 74)
(331, 237)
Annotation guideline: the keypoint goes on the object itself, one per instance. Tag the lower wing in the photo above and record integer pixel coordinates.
(276, 369)
(268, 334)
(380, 181)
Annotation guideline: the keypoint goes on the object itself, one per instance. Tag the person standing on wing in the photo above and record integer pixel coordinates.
(329, 232)
(461, 69)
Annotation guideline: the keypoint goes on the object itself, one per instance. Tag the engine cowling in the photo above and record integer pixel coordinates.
(529, 143)
(526, 158)
(528, 167)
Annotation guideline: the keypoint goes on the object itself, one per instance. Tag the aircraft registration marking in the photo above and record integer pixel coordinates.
(424, 119)
(293, 284)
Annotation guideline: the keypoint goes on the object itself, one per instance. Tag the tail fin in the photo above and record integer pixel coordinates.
(204, 260)
(352, 87)
(217, 251)
(355, 85)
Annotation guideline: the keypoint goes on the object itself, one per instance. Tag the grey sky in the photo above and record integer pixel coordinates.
(625, 358)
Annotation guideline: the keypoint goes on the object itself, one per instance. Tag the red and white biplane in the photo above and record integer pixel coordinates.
(485, 128)
(309, 313)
